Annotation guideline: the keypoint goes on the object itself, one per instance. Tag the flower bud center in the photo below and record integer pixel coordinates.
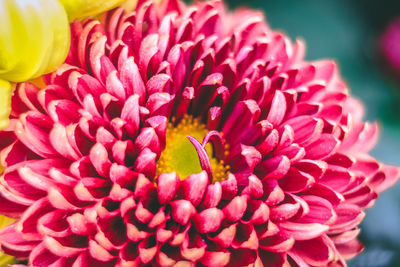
(181, 156)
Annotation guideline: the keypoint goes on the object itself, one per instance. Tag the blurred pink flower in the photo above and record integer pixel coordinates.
(390, 45)
(100, 168)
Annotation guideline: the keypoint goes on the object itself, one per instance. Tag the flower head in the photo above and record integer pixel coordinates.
(187, 134)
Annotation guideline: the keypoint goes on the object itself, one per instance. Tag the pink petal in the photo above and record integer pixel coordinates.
(277, 110)
(216, 258)
(208, 220)
(303, 231)
(100, 160)
(146, 163)
(167, 186)
(130, 114)
(194, 187)
(235, 209)
(314, 252)
(182, 211)
(325, 146)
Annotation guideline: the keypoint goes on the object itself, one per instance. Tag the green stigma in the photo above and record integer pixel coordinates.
(180, 155)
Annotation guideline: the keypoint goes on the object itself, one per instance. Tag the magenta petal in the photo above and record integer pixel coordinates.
(13, 241)
(235, 209)
(270, 259)
(275, 167)
(350, 249)
(114, 86)
(131, 79)
(245, 112)
(306, 128)
(143, 185)
(146, 163)
(194, 252)
(100, 160)
(158, 83)
(146, 251)
(130, 114)
(269, 143)
(148, 138)
(212, 196)
(182, 211)
(64, 111)
(314, 252)
(160, 104)
(391, 176)
(13, 205)
(283, 212)
(32, 130)
(323, 147)
(41, 256)
(248, 158)
(337, 178)
(254, 188)
(57, 249)
(216, 258)
(275, 193)
(194, 187)
(59, 141)
(99, 253)
(277, 243)
(320, 211)
(278, 108)
(80, 225)
(167, 186)
(303, 231)
(229, 187)
(296, 181)
(348, 217)
(325, 192)
(225, 238)
(246, 237)
(208, 220)
(159, 124)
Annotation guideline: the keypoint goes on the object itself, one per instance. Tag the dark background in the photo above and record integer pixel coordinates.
(348, 31)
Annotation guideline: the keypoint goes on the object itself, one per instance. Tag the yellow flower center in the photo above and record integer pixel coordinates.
(181, 156)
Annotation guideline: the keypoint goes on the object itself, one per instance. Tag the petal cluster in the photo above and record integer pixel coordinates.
(81, 155)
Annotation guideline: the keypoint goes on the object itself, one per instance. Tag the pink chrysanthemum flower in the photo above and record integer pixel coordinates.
(187, 134)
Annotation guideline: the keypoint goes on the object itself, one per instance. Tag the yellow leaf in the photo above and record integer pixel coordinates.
(34, 38)
(78, 9)
(5, 103)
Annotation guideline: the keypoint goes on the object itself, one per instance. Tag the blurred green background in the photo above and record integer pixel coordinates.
(348, 31)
